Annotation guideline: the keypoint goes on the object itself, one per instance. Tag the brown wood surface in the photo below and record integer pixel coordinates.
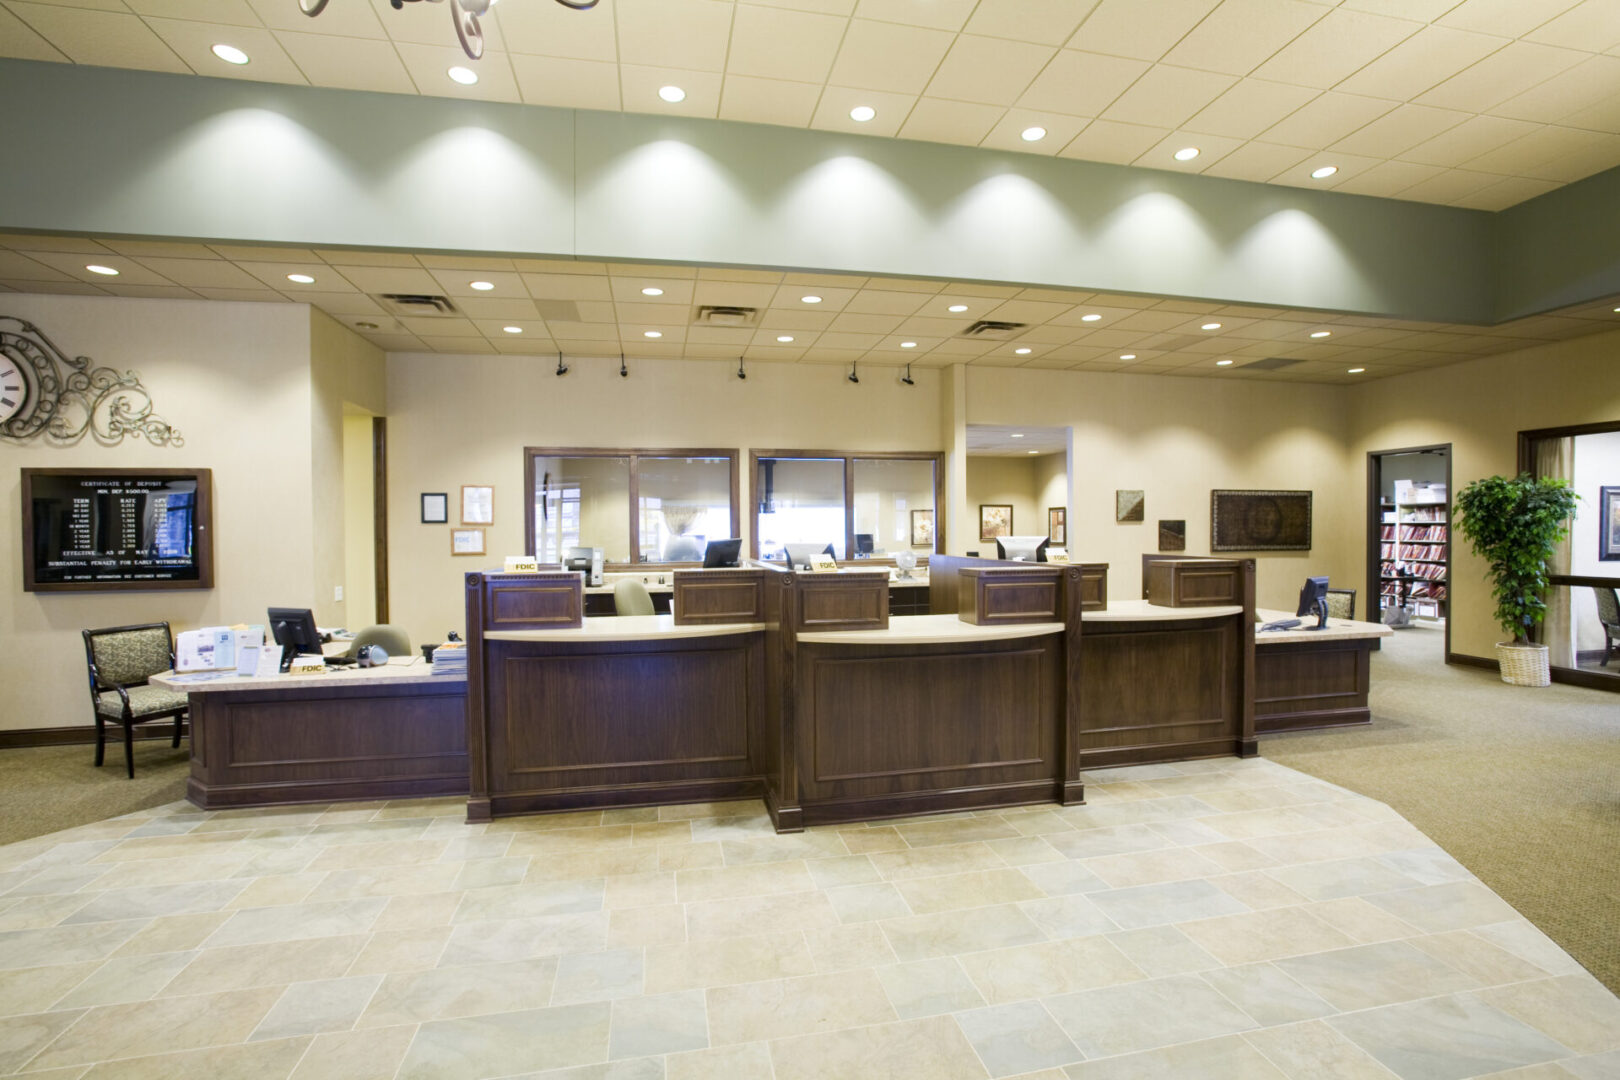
(719, 596)
(841, 601)
(1303, 685)
(547, 600)
(1007, 593)
(1194, 583)
(379, 516)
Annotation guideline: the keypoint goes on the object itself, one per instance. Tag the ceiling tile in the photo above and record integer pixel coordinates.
(1595, 81)
(1400, 130)
(639, 87)
(568, 84)
(1211, 148)
(961, 122)
(428, 66)
(229, 12)
(1116, 27)
(736, 293)
(1575, 154)
(882, 302)
(168, 292)
(103, 38)
(1468, 140)
(689, 34)
(1008, 133)
(1448, 186)
(239, 252)
(1044, 22)
(1336, 47)
(358, 258)
(1167, 96)
(421, 24)
(1589, 26)
(1257, 161)
(1250, 107)
(19, 41)
(936, 14)
(16, 266)
(554, 30)
(832, 114)
(771, 43)
(1505, 73)
(61, 288)
(505, 310)
(988, 70)
(1080, 83)
(843, 8)
(889, 56)
(1507, 192)
(458, 283)
(654, 313)
(768, 101)
(1505, 18)
(347, 63)
(194, 43)
(849, 322)
(1241, 35)
(1327, 119)
(213, 273)
(1106, 140)
(1421, 62)
(342, 20)
(1349, 166)
(1389, 178)
(340, 304)
(73, 265)
(389, 279)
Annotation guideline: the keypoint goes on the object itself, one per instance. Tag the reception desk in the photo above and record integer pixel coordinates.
(1308, 679)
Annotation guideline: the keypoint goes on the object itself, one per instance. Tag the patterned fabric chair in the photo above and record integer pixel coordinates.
(1341, 603)
(121, 659)
(395, 641)
(1608, 609)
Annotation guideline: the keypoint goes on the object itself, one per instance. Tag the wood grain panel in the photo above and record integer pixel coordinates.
(719, 596)
(552, 604)
(1309, 685)
(1194, 583)
(839, 602)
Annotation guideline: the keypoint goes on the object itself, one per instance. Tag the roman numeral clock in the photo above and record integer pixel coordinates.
(47, 394)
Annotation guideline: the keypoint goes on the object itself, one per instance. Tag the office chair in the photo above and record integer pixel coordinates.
(630, 597)
(683, 549)
(1608, 609)
(395, 641)
(1341, 603)
(120, 660)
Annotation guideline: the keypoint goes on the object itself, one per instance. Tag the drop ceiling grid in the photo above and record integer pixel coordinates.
(1281, 87)
(599, 309)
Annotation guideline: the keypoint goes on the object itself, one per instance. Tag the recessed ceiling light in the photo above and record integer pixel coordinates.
(1357, 370)
(482, 286)
(652, 333)
(300, 279)
(1324, 172)
(97, 269)
(1186, 153)
(1321, 333)
(1023, 352)
(462, 75)
(1016, 435)
(230, 54)
(513, 329)
(1211, 326)
(959, 308)
(365, 326)
(862, 113)
(785, 338)
(810, 299)
(1033, 451)
(652, 292)
(1033, 134)
(1093, 317)
(1223, 363)
(672, 94)
(1127, 356)
(1617, 310)
(908, 344)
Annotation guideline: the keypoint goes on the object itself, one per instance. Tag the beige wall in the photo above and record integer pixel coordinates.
(1051, 486)
(1479, 407)
(1007, 481)
(344, 369)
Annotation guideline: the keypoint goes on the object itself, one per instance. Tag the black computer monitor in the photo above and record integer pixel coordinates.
(863, 543)
(1022, 548)
(722, 553)
(1313, 601)
(798, 555)
(294, 630)
(577, 558)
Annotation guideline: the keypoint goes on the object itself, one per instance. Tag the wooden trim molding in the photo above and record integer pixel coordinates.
(24, 738)
(379, 514)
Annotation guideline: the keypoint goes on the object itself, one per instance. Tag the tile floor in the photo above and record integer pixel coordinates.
(1211, 920)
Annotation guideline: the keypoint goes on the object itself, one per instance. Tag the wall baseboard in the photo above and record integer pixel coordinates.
(23, 738)
(1466, 660)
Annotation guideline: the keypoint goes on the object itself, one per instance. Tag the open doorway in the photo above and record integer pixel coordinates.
(1017, 485)
(1409, 542)
(365, 517)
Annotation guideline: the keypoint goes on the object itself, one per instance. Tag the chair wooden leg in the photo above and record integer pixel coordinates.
(176, 742)
(101, 740)
(129, 748)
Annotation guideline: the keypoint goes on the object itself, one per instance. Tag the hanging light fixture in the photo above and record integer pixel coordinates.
(562, 368)
(907, 379)
(741, 374)
(464, 13)
(854, 372)
(624, 372)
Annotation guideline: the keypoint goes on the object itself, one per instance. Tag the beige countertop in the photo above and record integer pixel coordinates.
(399, 671)
(1142, 611)
(1337, 629)
(626, 628)
(650, 586)
(929, 630)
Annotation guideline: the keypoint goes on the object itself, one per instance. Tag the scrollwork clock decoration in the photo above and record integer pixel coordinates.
(463, 13)
(46, 393)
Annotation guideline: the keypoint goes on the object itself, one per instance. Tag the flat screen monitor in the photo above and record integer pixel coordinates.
(1022, 548)
(294, 630)
(722, 553)
(798, 555)
(1313, 601)
(863, 543)
(87, 529)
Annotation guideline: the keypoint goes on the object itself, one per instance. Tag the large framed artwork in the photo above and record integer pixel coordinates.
(1609, 519)
(1259, 520)
(995, 519)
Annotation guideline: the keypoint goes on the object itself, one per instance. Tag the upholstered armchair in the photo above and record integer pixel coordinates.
(120, 660)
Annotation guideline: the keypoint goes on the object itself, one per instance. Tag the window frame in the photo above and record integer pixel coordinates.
(849, 457)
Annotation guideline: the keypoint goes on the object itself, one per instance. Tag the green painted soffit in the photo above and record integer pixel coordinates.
(1558, 249)
(111, 152)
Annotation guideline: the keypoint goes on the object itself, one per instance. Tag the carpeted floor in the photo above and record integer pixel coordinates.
(1521, 785)
(48, 788)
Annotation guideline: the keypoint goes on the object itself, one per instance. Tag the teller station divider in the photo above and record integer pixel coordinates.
(800, 688)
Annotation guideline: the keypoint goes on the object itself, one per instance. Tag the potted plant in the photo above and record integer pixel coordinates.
(1515, 525)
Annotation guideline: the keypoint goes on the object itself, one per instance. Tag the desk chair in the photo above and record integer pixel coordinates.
(683, 549)
(631, 598)
(1341, 603)
(394, 640)
(120, 660)
(1609, 615)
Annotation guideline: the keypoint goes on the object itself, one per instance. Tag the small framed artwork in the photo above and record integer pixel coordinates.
(1172, 536)
(435, 508)
(922, 528)
(1609, 540)
(477, 505)
(466, 541)
(995, 519)
(1057, 524)
(1130, 506)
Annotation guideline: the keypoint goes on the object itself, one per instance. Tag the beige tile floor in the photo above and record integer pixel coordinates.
(1211, 920)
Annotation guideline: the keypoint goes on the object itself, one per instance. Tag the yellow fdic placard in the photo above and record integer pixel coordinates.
(1057, 554)
(521, 564)
(822, 563)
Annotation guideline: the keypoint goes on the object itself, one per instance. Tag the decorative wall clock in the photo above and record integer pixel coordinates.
(46, 393)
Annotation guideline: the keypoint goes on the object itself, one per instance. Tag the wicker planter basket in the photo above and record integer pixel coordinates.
(1523, 665)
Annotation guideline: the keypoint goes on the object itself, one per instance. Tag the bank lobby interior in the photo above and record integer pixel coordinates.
(761, 302)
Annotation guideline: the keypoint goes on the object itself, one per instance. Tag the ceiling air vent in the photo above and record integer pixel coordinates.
(418, 305)
(994, 331)
(725, 315)
(1274, 363)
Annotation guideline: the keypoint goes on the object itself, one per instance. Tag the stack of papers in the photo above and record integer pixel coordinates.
(450, 659)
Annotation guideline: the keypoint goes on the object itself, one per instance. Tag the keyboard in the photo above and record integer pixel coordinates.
(1280, 624)
(341, 661)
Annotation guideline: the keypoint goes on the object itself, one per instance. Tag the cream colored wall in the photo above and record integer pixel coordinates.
(359, 568)
(466, 419)
(1176, 439)
(1004, 481)
(343, 368)
(234, 379)
(1051, 485)
(1479, 407)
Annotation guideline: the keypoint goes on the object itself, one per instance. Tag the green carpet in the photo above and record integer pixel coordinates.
(1521, 785)
(49, 788)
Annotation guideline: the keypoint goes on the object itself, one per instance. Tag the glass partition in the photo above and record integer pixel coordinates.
(799, 501)
(894, 505)
(581, 502)
(683, 504)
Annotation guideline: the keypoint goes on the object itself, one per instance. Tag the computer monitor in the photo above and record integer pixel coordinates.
(798, 555)
(863, 543)
(577, 558)
(1022, 548)
(1313, 601)
(722, 553)
(294, 630)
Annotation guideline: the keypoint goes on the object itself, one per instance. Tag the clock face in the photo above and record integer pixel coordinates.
(13, 389)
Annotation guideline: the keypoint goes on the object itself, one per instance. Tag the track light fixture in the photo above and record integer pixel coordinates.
(741, 374)
(562, 368)
(463, 13)
(906, 378)
(624, 372)
(854, 375)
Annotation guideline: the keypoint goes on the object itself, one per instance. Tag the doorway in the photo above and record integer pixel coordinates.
(1409, 541)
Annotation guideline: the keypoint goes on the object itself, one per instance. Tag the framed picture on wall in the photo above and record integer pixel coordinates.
(1057, 524)
(1609, 518)
(922, 528)
(466, 541)
(435, 508)
(995, 519)
(477, 504)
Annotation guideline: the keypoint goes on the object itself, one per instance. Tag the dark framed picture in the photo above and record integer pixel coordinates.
(1130, 505)
(1057, 525)
(1609, 518)
(995, 519)
(435, 507)
(922, 528)
(1172, 535)
(1260, 521)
